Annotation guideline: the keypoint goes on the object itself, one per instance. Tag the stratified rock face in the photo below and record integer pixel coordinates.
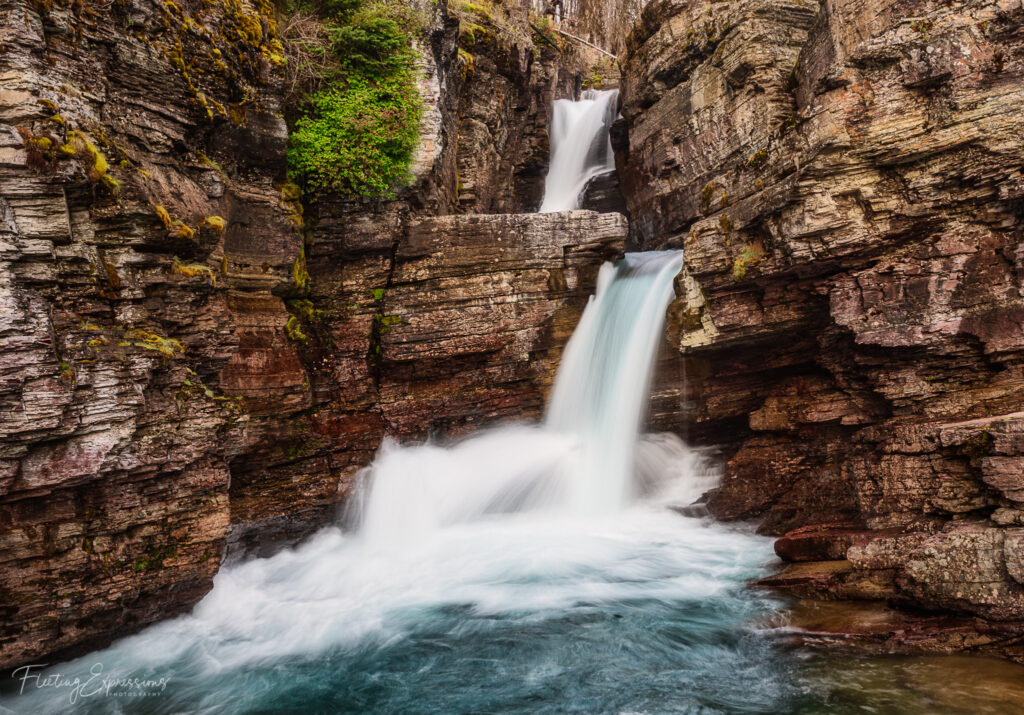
(432, 328)
(483, 147)
(603, 194)
(190, 362)
(120, 305)
(846, 180)
(477, 310)
(508, 78)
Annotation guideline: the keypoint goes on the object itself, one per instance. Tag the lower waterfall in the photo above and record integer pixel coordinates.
(528, 568)
(584, 459)
(492, 573)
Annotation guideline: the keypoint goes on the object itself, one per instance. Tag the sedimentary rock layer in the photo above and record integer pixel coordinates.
(846, 180)
(190, 360)
(140, 226)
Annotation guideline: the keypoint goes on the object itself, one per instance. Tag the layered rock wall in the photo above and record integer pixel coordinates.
(427, 328)
(488, 84)
(846, 180)
(193, 362)
(141, 226)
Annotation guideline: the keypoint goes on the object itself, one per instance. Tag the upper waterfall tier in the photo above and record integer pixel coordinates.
(580, 147)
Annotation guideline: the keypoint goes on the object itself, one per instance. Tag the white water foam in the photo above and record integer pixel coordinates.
(522, 522)
(519, 522)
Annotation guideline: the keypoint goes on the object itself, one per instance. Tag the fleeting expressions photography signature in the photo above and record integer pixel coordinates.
(32, 677)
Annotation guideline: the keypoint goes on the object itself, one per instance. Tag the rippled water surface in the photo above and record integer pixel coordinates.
(643, 612)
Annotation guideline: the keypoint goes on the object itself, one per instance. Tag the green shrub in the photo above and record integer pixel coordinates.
(356, 131)
(358, 139)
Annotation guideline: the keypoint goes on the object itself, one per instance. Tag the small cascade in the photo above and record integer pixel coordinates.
(581, 147)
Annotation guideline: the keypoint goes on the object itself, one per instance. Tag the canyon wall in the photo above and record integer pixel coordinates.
(194, 361)
(846, 179)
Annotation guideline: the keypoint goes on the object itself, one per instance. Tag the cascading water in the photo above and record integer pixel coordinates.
(603, 380)
(582, 459)
(524, 569)
(477, 568)
(580, 147)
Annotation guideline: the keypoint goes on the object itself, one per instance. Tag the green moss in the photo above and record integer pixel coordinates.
(155, 557)
(179, 229)
(751, 254)
(922, 28)
(300, 276)
(67, 373)
(294, 329)
(192, 270)
(758, 159)
(169, 348)
(978, 445)
(175, 227)
(386, 322)
(473, 8)
(207, 161)
(163, 215)
(304, 309)
(468, 66)
(112, 184)
(706, 194)
(214, 223)
(84, 148)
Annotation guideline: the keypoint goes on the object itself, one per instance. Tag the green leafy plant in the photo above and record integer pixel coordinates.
(357, 126)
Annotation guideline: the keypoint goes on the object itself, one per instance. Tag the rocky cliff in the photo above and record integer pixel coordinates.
(192, 359)
(846, 180)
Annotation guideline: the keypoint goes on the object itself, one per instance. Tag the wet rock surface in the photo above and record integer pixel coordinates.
(845, 178)
(135, 239)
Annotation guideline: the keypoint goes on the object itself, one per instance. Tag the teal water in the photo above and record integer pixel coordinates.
(646, 613)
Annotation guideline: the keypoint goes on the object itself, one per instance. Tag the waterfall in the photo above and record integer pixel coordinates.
(580, 147)
(477, 570)
(582, 460)
(521, 563)
(603, 380)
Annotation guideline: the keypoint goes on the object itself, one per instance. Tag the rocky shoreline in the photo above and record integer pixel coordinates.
(845, 179)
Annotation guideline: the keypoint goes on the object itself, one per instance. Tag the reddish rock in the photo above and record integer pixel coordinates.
(172, 388)
(820, 542)
(875, 627)
(116, 431)
(845, 180)
(830, 580)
